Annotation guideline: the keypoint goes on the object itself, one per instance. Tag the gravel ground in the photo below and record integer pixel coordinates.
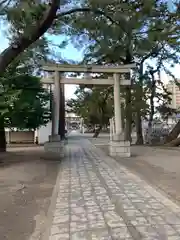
(27, 178)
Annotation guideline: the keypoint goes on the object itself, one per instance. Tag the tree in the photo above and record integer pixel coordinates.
(94, 105)
(31, 104)
(142, 30)
(29, 20)
(166, 111)
(24, 65)
(23, 102)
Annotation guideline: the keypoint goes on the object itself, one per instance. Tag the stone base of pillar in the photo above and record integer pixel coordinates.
(118, 137)
(56, 147)
(120, 149)
(54, 138)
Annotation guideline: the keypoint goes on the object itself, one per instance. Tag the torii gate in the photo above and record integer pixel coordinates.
(120, 76)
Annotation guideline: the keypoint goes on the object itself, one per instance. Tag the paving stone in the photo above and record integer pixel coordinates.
(138, 221)
(59, 229)
(64, 236)
(61, 219)
(147, 231)
(79, 236)
(78, 226)
(113, 219)
(98, 199)
(165, 230)
(121, 233)
(175, 237)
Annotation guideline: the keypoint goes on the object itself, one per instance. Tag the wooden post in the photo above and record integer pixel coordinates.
(56, 102)
(61, 129)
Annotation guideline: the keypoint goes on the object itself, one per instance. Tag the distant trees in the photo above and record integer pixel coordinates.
(145, 32)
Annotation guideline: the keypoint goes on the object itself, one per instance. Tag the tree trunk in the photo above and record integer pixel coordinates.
(174, 133)
(152, 96)
(139, 140)
(139, 96)
(173, 143)
(2, 136)
(128, 110)
(19, 45)
(152, 111)
(128, 97)
(97, 132)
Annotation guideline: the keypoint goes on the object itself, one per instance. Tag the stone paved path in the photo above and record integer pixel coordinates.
(98, 199)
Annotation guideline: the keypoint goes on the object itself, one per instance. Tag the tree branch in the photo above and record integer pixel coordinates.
(87, 9)
(4, 4)
(95, 11)
(9, 54)
(155, 51)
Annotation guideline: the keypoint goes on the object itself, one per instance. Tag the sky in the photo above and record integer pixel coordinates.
(73, 54)
(69, 53)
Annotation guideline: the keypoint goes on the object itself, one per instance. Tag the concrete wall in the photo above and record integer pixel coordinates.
(20, 137)
(43, 133)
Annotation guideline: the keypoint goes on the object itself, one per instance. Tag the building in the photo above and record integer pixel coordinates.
(72, 119)
(175, 103)
(175, 90)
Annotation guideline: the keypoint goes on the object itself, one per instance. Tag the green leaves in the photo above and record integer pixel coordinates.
(142, 30)
(21, 14)
(94, 105)
(24, 103)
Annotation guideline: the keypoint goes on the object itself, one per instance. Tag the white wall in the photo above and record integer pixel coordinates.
(43, 133)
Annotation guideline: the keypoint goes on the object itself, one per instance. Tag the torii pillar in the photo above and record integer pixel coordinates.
(58, 110)
(55, 109)
(55, 145)
(118, 145)
(117, 108)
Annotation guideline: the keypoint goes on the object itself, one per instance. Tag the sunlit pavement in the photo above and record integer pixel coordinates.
(97, 198)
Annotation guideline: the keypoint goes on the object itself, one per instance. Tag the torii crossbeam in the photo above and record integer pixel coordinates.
(120, 76)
